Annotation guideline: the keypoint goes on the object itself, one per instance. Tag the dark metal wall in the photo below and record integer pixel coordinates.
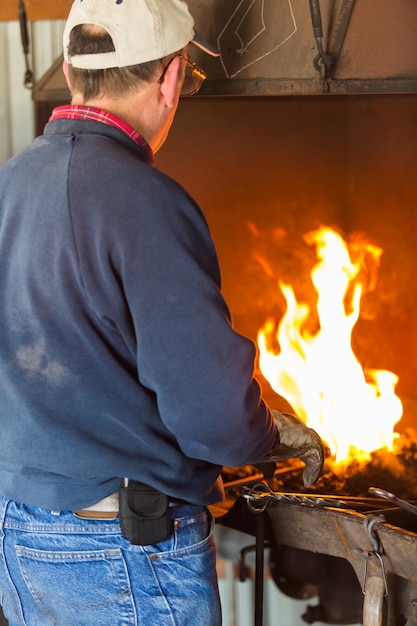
(274, 47)
(288, 165)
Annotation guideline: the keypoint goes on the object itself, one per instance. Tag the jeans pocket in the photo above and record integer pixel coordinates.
(86, 588)
(191, 531)
(185, 570)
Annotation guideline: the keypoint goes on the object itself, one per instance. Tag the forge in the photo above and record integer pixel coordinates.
(283, 167)
(287, 166)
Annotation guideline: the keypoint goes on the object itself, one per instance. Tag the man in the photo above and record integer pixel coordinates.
(123, 386)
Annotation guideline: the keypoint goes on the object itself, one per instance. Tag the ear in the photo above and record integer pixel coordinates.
(170, 86)
(65, 68)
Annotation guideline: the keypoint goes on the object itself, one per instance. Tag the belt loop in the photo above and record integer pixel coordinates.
(4, 503)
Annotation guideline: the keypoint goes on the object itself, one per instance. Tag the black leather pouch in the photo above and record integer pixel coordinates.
(143, 513)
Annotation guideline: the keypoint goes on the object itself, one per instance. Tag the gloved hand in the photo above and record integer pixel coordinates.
(296, 440)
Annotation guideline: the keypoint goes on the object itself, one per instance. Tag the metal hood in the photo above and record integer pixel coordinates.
(309, 46)
(297, 47)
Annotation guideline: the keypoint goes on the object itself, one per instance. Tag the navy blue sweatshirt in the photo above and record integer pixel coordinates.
(117, 353)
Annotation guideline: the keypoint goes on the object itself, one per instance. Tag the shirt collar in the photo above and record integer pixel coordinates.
(81, 112)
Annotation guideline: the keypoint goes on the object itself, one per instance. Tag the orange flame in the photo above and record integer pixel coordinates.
(353, 410)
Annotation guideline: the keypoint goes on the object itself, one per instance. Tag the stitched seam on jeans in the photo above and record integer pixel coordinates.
(91, 528)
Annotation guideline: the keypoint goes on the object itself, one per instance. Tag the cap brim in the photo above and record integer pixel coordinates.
(205, 46)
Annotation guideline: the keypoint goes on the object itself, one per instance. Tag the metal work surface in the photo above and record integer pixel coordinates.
(378, 540)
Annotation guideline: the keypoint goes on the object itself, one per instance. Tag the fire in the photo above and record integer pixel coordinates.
(354, 410)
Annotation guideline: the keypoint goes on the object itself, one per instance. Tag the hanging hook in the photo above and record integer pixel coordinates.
(369, 523)
(322, 62)
(28, 81)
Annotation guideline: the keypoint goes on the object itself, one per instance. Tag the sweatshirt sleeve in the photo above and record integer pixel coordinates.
(156, 280)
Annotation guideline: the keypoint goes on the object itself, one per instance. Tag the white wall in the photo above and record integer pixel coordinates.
(16, 105)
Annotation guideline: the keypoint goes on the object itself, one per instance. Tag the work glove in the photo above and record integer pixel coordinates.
(296, 440)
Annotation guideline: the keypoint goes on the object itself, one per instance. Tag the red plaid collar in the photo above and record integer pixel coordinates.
(80, 112)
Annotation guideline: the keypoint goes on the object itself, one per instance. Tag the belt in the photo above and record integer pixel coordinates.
(108, 508)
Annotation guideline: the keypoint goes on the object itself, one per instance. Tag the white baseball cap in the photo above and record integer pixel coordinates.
(141, 30)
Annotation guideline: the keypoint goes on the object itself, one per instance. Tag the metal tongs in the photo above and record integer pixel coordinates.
(28, 82)
(387, 495)
(260, 496)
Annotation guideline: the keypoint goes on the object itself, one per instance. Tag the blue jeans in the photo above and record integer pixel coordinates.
(59, 569)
